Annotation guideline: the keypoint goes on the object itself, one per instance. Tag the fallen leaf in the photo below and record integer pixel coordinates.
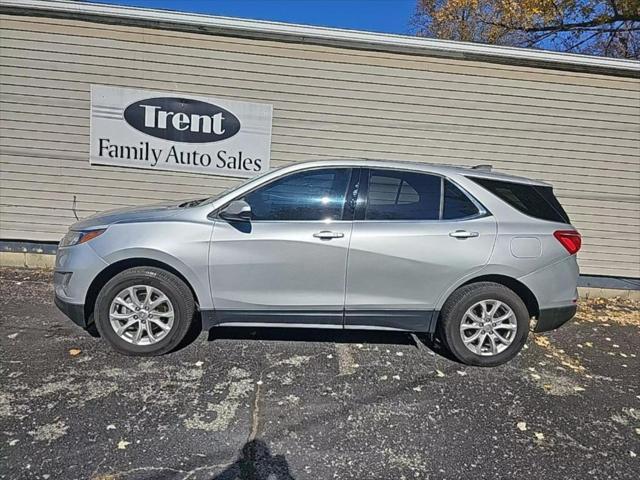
(12, 335)
(462, 373)
(522, 426)
(535, 376)
(417, 389)
(539, 435)
(111, 427)
(578, 389)
(589, 344)
(439, 373)
(396, 377)
(542, 341)
(399, 354)
(199, 363)
(13, 442)
(632, 453)
(74, 352)
(122, 444)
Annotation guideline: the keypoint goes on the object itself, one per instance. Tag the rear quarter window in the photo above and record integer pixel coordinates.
(533, 200)
(456, 204)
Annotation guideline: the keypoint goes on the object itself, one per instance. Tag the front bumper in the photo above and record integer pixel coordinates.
(72, 310)
(76, 268)
(552, 318)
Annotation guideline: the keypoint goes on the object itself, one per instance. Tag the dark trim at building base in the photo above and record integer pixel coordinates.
(616, 283)
(25, 246)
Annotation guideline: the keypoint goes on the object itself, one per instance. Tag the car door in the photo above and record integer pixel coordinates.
(288, 264)
(414, 234)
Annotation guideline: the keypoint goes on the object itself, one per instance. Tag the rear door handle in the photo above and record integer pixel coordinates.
(463, 234)
(327, 235)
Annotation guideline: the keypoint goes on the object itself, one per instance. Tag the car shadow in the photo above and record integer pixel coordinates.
(322, 335)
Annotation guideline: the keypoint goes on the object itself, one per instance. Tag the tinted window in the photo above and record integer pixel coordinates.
(310, 195)
(535, 201)
(456, 203)
(397, 195)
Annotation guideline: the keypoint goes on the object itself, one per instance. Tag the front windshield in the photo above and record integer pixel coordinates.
(235, 187)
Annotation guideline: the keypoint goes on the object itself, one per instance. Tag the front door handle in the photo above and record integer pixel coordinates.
(327, 235)
(463, 234)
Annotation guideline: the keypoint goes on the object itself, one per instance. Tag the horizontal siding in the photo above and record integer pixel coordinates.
(579, 131)
(203, 46)
(279, 77)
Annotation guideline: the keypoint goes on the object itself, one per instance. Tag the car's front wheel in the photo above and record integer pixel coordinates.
(144, 311)
(484, 324)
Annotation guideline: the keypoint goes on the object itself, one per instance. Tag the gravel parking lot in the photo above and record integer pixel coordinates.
(274, 404)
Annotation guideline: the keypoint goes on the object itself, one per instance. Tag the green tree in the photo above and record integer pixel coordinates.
(597, 27)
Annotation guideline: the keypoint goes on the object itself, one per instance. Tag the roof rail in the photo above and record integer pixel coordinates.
(485, 167)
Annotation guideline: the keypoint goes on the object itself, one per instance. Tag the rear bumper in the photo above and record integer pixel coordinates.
(72, 310)
(552, 318)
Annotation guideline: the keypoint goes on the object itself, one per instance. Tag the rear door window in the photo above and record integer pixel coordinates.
(399, 195)
(533, 200)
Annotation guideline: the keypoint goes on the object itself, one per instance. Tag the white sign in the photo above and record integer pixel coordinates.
(185, 133)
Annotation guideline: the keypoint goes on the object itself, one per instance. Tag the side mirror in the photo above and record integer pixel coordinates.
(237, 211)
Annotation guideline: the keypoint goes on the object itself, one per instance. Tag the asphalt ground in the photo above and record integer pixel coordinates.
(301, 404)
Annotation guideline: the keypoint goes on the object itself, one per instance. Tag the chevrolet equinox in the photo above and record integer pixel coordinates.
(479, 257)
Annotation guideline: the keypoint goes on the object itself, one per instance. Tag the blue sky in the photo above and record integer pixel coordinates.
(389, 16)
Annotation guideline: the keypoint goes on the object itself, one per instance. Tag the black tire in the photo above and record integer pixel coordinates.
(460, 301)
(173, 287)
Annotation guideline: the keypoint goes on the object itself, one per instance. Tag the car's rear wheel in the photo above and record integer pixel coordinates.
(484, 324)
(144, 311)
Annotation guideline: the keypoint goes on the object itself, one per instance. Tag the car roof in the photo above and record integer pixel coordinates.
(482, 171)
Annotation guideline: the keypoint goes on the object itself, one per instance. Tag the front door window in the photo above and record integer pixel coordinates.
(314, 195)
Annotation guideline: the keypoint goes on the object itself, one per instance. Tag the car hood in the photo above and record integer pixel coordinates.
(147, 213)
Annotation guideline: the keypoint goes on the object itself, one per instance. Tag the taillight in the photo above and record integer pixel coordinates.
(570, 239)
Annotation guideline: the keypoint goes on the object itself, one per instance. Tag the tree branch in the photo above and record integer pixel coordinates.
(590, 23)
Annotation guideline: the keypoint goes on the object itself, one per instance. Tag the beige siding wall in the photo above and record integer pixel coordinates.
(579, 131)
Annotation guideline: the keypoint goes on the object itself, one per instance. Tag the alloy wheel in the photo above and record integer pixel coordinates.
(141, 315)
(488, 327)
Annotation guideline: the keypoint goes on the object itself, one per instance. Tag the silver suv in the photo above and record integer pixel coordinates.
(478, 257)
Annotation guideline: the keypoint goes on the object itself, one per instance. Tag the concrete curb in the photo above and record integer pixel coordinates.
(27, 260)
(591, 292)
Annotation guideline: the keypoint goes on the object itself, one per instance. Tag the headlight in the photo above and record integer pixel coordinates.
(76, 237)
